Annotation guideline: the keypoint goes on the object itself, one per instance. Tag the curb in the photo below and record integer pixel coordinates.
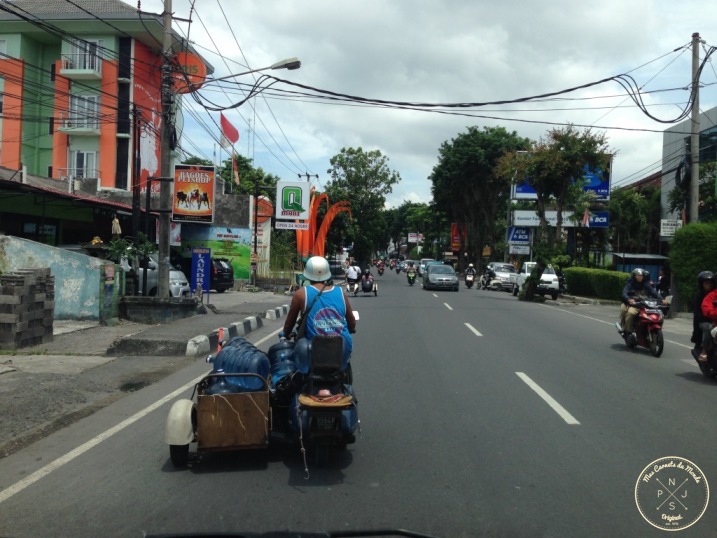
(201, 344)
(204, 343)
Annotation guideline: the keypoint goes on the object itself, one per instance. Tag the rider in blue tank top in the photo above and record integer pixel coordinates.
(330, 314)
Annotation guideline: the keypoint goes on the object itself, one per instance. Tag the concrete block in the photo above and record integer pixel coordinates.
(199, 345)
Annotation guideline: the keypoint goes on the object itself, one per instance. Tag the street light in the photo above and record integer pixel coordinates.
(289, 63)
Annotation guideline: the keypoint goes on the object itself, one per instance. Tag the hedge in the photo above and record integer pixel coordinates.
(598, 283)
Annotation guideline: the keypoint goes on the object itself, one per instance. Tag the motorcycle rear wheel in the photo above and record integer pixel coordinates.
(657, 343)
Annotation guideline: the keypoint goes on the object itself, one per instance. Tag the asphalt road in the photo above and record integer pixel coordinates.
(480, 416)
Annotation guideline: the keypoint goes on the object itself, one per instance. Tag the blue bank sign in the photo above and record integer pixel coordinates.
(595, 181)
(518, 235)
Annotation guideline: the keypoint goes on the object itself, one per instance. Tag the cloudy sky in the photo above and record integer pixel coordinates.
(443, 51)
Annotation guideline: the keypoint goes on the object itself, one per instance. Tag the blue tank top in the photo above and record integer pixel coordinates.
(328, 316)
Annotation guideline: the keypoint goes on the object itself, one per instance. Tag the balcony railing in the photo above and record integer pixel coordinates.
(81, 65)
(79, 124)
(78, 173)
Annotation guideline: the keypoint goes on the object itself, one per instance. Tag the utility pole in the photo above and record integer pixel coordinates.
(695, 131)
(166, 155)
(307, 175)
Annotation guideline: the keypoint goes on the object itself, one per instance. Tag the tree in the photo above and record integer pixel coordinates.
(678, 196)
(364, 179)
(467, 186)
(554, 166)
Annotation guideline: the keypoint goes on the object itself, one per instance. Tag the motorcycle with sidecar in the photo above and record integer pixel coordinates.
(298, 393)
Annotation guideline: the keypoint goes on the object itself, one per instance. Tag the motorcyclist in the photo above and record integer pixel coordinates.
(701, 324)
(329, 309)
(351, 274)
(410, 271)
(367, 274)
(636, 287)
(471, 270)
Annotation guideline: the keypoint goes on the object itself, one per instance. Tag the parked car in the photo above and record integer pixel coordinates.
(338, 269)
(440, 276)
(221, 273)
(178, 283)
(221, 278)
(549, 283)
(503, 272)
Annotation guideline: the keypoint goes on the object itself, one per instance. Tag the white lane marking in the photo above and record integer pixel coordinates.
(602, 321)
(559, 409)
(448, 306)
(77, 452)
(688, 361)
(473, 329)
(435, 295)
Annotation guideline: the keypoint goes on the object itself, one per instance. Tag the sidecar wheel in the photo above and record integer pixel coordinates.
(706, 369)
(179, 454)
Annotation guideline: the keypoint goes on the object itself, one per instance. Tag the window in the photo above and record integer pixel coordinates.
(84, 164)
(87, 54)
(84, 111)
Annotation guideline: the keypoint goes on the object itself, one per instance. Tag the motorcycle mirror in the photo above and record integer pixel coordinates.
(356, 315)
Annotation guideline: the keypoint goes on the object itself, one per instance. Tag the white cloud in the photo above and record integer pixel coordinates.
(450, 51)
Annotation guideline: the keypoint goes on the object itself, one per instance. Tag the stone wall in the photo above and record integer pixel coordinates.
(27, 304)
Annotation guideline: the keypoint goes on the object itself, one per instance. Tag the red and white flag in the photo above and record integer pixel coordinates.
(586, 218)
(230, 134)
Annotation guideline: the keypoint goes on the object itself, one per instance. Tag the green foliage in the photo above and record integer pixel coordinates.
(599, 283)
(124, 247)
(678, 197)
(364, 179)
(693, 249)
(468, 187)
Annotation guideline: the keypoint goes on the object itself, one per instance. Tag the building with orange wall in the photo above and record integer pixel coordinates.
(74, 77)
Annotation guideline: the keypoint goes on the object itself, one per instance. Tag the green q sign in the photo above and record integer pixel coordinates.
(291, 199)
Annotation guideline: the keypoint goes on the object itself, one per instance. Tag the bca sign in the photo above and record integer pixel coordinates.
(292, 200)
(518, 235)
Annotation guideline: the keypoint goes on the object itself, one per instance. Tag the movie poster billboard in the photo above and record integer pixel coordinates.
(194, 189)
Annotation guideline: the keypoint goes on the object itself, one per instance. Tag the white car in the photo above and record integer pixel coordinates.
(549, 283)
(178, 283)
(503, 272)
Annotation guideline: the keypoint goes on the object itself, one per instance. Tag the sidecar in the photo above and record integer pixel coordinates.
(232, 410)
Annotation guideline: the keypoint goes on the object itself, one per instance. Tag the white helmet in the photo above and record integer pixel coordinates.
(470, 265)
(317, 269)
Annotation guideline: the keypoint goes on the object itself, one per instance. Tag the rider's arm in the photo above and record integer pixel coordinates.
(350, 318)
(297, 305)
(626, 293)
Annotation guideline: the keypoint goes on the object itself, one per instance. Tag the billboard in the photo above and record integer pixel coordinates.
(193, 199)
(293, 200)
(595, 181)
(597, 219)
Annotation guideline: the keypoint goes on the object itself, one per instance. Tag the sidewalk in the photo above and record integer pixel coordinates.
(87, 366)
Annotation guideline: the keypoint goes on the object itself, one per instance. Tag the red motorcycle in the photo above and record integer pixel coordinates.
(648, 327)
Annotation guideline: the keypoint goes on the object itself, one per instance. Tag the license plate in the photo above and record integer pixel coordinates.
(325, 423)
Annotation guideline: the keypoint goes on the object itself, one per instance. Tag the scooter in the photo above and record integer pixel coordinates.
(490, 282)
(380, 269)
(411, 278)
(469, 280)
(398, 269)
(648, 327)
(352, 287)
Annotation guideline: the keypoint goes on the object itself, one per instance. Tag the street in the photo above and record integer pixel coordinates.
(480, 416)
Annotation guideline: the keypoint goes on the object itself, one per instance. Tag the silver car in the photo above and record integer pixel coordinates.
(440, 277)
